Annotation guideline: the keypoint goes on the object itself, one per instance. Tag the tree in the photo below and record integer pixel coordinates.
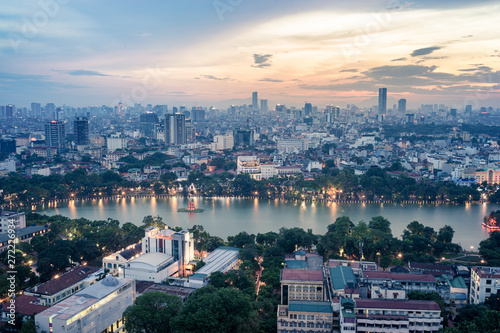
(152, 312)
(380, 223)
(212, 310)
(241, 239)
(445, 234)
(489, 249)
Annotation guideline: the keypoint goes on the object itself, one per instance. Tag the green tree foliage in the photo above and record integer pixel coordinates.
(490, 249)
(241, 239)
(152, 312)
(212, 310)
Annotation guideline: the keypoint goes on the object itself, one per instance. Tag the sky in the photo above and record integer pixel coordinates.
(217, 52)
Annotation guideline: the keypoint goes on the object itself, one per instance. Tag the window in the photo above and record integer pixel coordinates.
(488, 290)
(488, 281)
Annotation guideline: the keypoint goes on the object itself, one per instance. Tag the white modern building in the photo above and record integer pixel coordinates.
(155, 267)
(179, 245)
(484, 282)
(116, 141)
(119, 259)
(222, 142)
(98, 308)
(291, 145)
(11, 220)
(268, 170)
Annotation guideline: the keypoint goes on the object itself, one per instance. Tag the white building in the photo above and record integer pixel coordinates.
(99, 308)
(179, 245)
(11, 220)
(290, 145)
(116, 141)
(9, 165)
(249, 165)
(268, 170)
(222, 142)
(305, 316)
(119, 259)
(484, 282)
(155, 267)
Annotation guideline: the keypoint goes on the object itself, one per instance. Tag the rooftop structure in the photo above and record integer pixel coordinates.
(223, 259)
(98, 308)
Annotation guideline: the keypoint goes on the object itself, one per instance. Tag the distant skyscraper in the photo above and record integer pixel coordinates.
(50, 110)
(175, 129)
(55, 135)
(402, 105)
(197, 114)
(243, 137)
(453, 113)
(81, 129)
(263, 105)
(255, 101)
(147, 123)
(468, 109)
(36, 109)
(2, 111)
(9, 111)
(382, 100)
(307, 109)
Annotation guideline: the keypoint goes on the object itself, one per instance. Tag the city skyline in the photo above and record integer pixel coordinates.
(218, 52)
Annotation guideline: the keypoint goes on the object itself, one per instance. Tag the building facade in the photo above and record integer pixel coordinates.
(484, 282)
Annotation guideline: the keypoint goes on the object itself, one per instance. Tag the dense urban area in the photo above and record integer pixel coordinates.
(66, 275)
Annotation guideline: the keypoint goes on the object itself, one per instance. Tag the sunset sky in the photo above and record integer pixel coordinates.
(217, 52)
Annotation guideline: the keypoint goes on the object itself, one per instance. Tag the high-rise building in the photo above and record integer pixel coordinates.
(402, 105)
(197, 114)
(9, 111)
(263, 105)
(147, 123)
(50, 110)
(382, 100)
(2, 111)
(81, 129)
(307, 109)
(36, 109)
(175, 129)
(55, 135)
(453, 113)
(255, 101)
(468, 109)
(243, 137)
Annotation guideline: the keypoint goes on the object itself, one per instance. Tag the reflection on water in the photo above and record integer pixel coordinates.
(228, 216)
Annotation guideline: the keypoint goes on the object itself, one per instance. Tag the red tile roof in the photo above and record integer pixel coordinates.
(399, 276)
(65, 280)
(396, 304)
(25, 305)
(302, 275)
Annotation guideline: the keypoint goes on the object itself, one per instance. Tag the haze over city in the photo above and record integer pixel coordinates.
(215, 53)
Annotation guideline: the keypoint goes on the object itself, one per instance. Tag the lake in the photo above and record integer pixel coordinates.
(228, 216)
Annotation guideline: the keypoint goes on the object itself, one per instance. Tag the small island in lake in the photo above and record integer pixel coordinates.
(191, 209)
(492, 221)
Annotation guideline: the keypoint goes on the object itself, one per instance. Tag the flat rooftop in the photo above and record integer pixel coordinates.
(219, 259)
(83, 299)
(152, 258)
(397, 304)
(182, 292)
(399, 276)
(301, 275)
(310, 306)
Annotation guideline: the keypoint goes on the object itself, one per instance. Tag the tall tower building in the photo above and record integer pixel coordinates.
(382, 100)
(36, 109)
(175, 129)
(255, 101)
(55, 135)
(50, 110)
(263, 105)
(402, 105)
(307, 109)
(81, 129)
(9, 111)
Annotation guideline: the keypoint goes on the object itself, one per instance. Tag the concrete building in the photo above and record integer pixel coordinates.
(175, 129)
(305, 316)
(81, 129)
(116, 141)
(402, 316)
(179, 245)
(342, 280)
(25, 306)
(268, 170)
(154, 266)
(223, 259)
(119, 259)
(302, 285)
(249, 165)
(222, 142)
(290, 145)
(65, 285)
(55, 135)
(409, 282)
(484, 282)
(11, 220)
(99, 308)
(382, 100)
(23, 235)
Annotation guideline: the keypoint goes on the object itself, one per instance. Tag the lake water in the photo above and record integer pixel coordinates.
(228, 216)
